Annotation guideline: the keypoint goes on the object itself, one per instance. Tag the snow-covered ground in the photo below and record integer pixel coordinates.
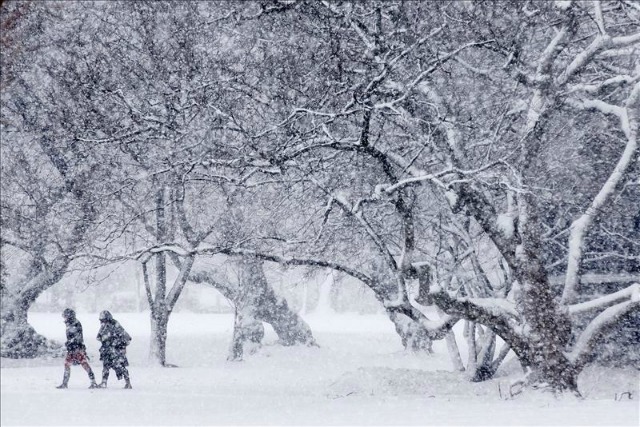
(358, 376)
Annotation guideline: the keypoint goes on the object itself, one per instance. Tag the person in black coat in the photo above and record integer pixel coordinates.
(113, 351)
(76, 350)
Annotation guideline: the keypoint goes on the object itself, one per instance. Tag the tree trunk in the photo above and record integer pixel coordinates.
(485, 366)
(256, 302)
(454, 351)
(268, 307)
(550, 328)
(247, 334)
(18, 338)
(414, 336)
(158, 344)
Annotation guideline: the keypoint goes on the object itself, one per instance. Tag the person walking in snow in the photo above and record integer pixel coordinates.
(113, 351)
(76, 350)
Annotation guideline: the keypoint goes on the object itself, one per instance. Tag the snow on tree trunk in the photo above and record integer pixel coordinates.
(450, 337)
(256, 302)
(248, 333)
(549, 328)
(158, 344)
(485, 367)
(414, 336)
(269, 307)
(162, 304)
(470, 336)
(18, 338)
(454, 351)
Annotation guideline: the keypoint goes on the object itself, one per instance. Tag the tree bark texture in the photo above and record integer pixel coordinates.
(256, 302)
(404, 316)
(255, 292)
(158, 344)
(18, 338)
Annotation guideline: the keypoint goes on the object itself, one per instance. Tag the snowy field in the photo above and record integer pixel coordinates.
(359, 376)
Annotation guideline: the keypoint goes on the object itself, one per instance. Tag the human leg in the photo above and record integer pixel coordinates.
(65, 377)
(82, 359)
(105, 375)
(67, 371)
(125, 374)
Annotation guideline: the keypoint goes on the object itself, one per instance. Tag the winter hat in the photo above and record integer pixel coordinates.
(68, 313)
(105, 315)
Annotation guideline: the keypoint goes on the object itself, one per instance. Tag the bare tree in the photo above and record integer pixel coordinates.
(536, 324)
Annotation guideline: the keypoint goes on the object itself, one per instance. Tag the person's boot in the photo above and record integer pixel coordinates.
(65, 379)
(127, 384)
(105, 378)
(93, 380)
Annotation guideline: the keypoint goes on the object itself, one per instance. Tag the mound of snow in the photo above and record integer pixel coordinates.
(373, 381)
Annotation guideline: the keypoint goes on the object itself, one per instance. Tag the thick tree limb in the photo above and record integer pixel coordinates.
(599, 328)
(494, 317)
(604, 301)
(581, 225)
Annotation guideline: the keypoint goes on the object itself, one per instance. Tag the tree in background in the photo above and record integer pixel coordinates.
(396, 142)
(51, 183)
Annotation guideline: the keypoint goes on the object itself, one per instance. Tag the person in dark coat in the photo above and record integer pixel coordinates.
(113, 351)
(76, 350)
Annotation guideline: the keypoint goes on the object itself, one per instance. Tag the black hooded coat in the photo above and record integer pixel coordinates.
(114, 341)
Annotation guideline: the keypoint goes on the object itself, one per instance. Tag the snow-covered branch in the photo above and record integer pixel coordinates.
(605, 301)
(600, 44)
(283, 260)
(599, 18)
(435, 177)
(420, 77)
(620, 80)
(415, 180)
(375, 82)
(226, 250)
(581, 225)
(437, 329)
(599, 327)
(382, 247)
(180, 281)
(551, 52)
(498, 315)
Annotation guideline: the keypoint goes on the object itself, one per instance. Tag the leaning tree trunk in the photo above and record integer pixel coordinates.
(414, 336)
(18, 338)
(248, 331)
(268, 307)
(256, 302)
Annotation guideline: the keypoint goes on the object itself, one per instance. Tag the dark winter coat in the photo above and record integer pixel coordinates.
(75, 341)
(114, 341)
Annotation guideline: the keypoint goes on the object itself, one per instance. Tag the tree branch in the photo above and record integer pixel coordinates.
(599, 327)
(492, 316)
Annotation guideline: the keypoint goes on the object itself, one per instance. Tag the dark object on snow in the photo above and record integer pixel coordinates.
(76, 350)
(113, 351)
